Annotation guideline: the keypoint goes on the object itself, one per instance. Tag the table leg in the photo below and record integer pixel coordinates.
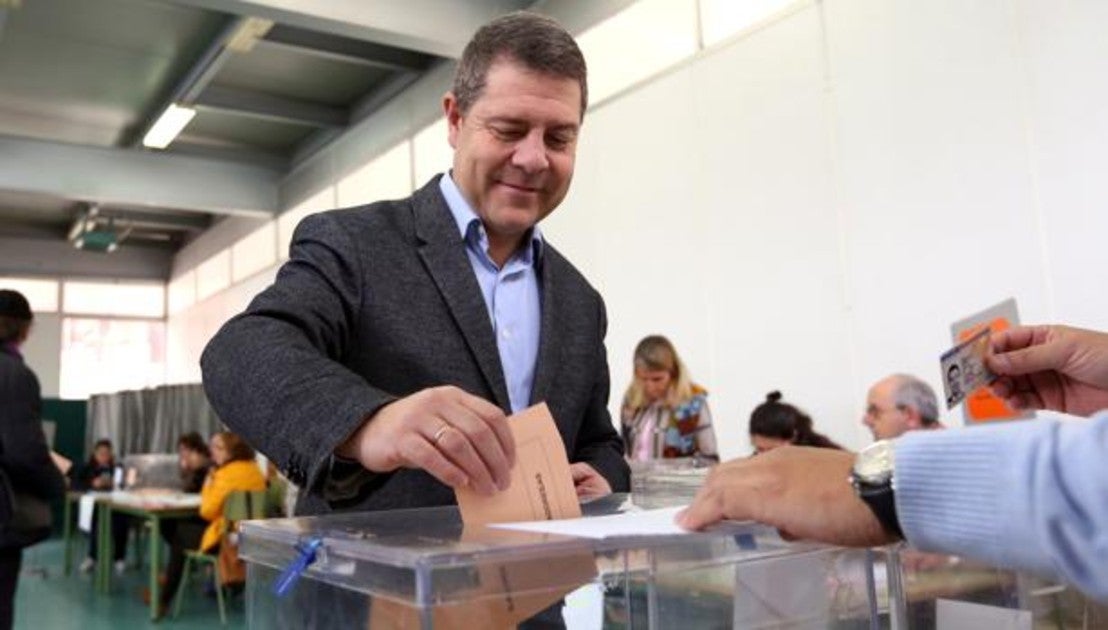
(104, 547)
(67, 535)
(155, 552)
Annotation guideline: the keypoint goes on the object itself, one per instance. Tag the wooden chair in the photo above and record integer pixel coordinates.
(239, 506)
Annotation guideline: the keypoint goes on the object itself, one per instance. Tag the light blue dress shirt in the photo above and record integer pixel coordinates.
(512, 295)
(1024, 495)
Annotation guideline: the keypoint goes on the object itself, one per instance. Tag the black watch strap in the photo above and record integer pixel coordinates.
(881, 500)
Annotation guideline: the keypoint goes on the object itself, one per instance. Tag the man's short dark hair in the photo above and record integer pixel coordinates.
(193, 442)
(536, 42)
(15, 316)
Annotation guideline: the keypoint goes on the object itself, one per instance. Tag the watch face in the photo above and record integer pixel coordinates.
(875, 462)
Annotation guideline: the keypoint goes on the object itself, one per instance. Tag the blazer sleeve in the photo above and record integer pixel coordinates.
(274, 373)
(26, 456)
(598, 443)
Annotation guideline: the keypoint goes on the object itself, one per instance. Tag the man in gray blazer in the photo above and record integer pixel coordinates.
(377, 371)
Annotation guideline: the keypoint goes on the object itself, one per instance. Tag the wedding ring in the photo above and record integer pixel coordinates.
(439, 433)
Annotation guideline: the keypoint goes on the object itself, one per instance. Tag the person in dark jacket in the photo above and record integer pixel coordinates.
(24, 455)
(194, 459)
(96, 476)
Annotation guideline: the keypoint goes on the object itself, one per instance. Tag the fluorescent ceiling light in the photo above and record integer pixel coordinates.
(169, 124)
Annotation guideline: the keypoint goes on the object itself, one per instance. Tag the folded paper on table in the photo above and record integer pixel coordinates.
(658, 522)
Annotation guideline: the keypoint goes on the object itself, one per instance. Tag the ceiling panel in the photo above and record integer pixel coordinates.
(90, 69)
(244, 131)
(301, 76)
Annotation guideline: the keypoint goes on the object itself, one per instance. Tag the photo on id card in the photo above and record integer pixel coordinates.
(964, 370)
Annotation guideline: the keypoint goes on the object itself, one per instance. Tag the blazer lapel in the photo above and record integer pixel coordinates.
(552, 335)
(443, 254)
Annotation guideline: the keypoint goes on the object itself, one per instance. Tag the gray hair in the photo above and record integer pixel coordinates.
(911, 391)
(536, 42)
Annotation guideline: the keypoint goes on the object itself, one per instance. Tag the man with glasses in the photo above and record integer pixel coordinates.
(900, 403)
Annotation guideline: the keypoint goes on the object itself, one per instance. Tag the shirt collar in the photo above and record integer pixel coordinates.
(469, 224)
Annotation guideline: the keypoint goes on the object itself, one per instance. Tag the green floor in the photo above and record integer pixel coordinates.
(56, 602)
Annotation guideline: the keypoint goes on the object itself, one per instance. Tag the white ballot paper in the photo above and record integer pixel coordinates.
(645, 523)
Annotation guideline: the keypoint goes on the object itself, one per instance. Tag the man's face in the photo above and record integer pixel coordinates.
(954, 379)
(884, 419)
(103, 455)
(515, 147)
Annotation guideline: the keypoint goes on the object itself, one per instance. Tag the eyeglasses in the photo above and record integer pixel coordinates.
(874, 411)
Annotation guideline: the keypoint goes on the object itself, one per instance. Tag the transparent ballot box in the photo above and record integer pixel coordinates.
(424, 569)
(667, 482)
(930, 591)
(151, 470)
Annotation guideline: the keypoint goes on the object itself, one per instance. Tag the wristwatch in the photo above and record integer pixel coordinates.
(873, 480)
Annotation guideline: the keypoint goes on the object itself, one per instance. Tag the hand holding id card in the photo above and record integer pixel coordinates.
(964, 368)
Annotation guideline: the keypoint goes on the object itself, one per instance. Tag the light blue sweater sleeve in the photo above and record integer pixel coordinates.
(1023, 495)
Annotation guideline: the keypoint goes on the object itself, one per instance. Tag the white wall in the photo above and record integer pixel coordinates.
(808, 206)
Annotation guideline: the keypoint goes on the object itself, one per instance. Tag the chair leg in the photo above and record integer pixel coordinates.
(181, 587)
(219, 596)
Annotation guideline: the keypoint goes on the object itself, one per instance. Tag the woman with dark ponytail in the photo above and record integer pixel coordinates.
(774, 423)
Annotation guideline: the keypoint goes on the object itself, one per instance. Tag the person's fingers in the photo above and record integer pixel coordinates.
(1002, 387)
(484, 441)
(494, 417)
(456, 447)
(1015, 338)
(1036, 358)
(581, 471)
(722, 496)
(418, 452)
(1025, 397)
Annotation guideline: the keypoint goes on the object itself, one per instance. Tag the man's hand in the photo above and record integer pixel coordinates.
(803, 492)
(1051, 367)
(458, 438)
(589, 483)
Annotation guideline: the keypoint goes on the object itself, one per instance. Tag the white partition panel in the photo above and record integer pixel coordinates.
(776, 273)
(932, 158)
(1068, 110)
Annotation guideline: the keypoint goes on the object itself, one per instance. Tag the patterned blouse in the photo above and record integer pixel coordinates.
(659, 431)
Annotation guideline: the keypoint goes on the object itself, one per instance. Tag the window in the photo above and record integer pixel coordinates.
(109, 355)
(42, 294)
(106, 298)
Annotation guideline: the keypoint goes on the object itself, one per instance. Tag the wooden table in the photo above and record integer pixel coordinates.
(154, 508)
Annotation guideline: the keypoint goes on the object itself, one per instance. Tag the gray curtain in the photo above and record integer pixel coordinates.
(150, 420)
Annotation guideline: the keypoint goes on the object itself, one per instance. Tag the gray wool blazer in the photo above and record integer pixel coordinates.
(376, 303)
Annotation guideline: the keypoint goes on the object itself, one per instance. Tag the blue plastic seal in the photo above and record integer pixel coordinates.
(305, 556)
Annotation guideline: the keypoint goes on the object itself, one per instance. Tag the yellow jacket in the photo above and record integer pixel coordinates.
(230, 477)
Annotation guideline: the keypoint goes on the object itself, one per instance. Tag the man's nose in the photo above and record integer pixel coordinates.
(530, 153)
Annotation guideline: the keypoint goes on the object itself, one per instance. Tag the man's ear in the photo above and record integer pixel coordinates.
(915, 421)
(453, 118)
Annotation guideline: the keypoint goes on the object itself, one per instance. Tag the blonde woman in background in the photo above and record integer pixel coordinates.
(664, 414)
